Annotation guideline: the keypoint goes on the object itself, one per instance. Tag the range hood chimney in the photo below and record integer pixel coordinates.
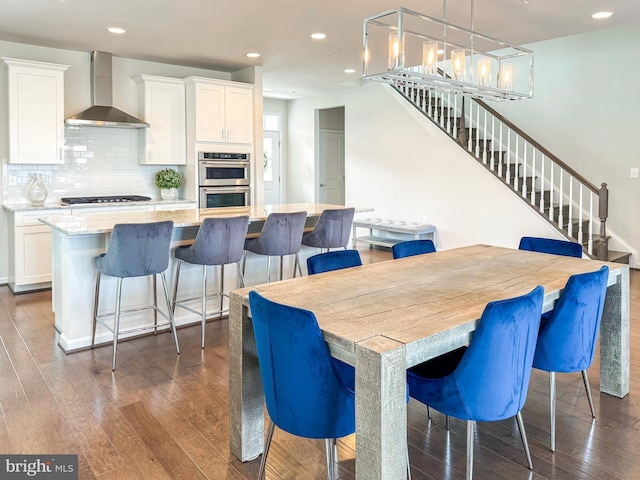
(102, 113)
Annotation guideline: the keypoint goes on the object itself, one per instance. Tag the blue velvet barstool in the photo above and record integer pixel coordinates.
(329, 261)
(332, 230)
(569, 334)
(410, 248)
(488, 380)
(135, 250)
(281, 235)
(551, 245)
(220, 241)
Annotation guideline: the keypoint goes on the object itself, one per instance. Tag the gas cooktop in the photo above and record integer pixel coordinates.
(106, 199)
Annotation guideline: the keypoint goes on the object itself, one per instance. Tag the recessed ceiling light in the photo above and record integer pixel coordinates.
(116, 30)
(601, 15)
(318, 36)
(253, 55)
(349, 70)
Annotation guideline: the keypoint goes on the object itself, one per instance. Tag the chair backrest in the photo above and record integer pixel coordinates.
(493, 374)
(137, 249)
(333, 229)
(412, 247)
(281, 234)
(568, 336)
(550, 245)
(220, 241)
(337, 260)
(305, 395)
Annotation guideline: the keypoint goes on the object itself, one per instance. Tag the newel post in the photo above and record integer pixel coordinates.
(603, 213)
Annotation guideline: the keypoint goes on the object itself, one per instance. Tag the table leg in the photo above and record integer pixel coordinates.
(246, 398)
(614, 338)
(381, 410)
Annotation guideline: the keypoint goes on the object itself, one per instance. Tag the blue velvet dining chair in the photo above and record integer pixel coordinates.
(488, 380)
(569, 333)
(551, 245)
(337, 260)
(412, 247)
(308, 393)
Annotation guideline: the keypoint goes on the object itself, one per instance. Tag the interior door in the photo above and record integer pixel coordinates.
(271, 165)
(331, 167)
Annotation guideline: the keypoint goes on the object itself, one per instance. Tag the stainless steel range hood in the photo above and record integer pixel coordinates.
(102, 113)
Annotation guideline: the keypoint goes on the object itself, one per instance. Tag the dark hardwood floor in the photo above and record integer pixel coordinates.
(163, 416)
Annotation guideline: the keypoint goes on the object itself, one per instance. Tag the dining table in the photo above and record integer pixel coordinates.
(386, 317)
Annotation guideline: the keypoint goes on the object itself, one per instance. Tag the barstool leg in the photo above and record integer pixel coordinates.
(282, 267)
(175, 287)
(244, 261)
(268, 269)
(204, 301)
(240, 275)
(95, 310)
(155, 304)
(171, 319)
(116, 322)
(221, 289)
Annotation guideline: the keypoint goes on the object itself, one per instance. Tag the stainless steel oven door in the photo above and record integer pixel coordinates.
(217, 197)
(223, 173)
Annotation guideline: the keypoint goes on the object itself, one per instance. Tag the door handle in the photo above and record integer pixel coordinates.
(323, 184)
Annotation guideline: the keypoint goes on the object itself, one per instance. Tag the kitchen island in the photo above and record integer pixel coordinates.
(78, 238)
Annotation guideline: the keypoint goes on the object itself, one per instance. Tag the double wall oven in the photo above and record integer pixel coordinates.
(224, 178)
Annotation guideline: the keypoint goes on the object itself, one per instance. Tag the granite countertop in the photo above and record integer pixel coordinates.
(95, 222)
(27, 207)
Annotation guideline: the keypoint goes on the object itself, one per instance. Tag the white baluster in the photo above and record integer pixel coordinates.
(500, 150)
(524, 169)
(470, 127)
(533, 176)
(508, 155)
(551, 190)
(570, 221)
(484, 141)
(542, 184)
(590, 244)
(517, 166)
(560, 200)
(455, 117)
(442, 109)
(449, 113)
(477, 149)
(580, 216)
(493, 143)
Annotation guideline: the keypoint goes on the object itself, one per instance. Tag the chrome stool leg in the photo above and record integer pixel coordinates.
(170, 312)
(585, 379)
(204, 302)
(175, 287)
(525, 443)
(221, 292)
(116, 322)
(265, 453)
(155, 304)
(95, 309)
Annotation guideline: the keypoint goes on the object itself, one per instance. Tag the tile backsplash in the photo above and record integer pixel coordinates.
(98, 161)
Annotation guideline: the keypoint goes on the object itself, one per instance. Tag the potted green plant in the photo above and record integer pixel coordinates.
(168, 181)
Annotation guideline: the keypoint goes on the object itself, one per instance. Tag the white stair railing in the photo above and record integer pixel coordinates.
(541, 179)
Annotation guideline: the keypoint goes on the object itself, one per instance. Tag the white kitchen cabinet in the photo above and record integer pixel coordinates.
(36, 111)
(220, 111)
(29, 251)
(174, 206)
(162, 104)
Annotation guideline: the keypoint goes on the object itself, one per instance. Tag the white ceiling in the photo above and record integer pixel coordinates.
(216, 34)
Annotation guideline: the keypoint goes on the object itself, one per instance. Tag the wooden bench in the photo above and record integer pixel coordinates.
(387, 233)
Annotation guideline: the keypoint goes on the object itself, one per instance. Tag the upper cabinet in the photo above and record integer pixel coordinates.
(161, 103)
(221, 111)
(36, 111)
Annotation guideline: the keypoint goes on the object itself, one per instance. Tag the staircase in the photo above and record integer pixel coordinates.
(574, 206)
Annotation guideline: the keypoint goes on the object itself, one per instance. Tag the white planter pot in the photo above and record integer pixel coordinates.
(169, 193)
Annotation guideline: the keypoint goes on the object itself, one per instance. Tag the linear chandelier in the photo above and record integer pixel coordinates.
(408, 49)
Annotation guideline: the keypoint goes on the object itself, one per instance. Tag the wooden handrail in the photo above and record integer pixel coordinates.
(540, 148)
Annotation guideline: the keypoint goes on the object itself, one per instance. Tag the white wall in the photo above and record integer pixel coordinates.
(584, 110)
(406, 168)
